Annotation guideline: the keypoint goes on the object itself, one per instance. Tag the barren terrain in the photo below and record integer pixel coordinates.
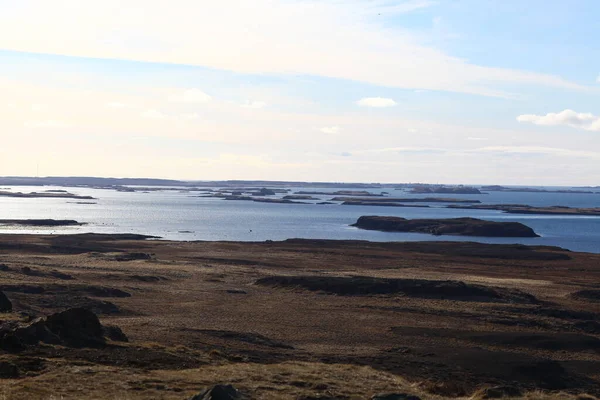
(304, 319)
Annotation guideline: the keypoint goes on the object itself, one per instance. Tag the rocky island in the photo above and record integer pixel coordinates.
(445, 190)
(450, 226)
(399, 200)
(53, 194)
(40, 222)
(525, 209)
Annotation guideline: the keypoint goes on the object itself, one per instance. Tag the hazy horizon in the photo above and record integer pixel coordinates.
(464, 91)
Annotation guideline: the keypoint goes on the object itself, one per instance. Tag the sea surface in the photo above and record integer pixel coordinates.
(178, 215)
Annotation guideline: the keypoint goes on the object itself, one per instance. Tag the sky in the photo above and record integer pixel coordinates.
(446, 91)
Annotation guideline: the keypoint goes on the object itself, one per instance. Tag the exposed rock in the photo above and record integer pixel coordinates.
(591, 294)
(5, 303)
(133, 256)
(75, 327)
(592, 327)
(419, 288)
(498, 392)
(40, 222)
(218, 392)
(8, 370)
(395, 396)
(450, 226)
(114, 333)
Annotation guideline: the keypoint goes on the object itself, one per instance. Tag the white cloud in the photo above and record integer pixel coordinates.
(116, 104)
(47, 124)
(330, 130)
(538, 150)
(376, 102)
(153, 114)
(587, 121)
(254, 104)
(189, 117)
(475, 138)
(190, 96)
(293, 37)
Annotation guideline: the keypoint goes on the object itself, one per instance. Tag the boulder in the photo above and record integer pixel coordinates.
(75, 327)
(218, 392)
(8, 370)
(5, 303)
(395, 396)
(498, 392)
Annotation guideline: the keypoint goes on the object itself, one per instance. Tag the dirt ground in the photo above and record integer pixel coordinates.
(306, 319)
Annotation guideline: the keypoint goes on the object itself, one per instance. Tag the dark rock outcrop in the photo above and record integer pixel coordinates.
(40, 222)
(419, 288)
(498, 392)
(75, 327)
(590, 295)
(218, 392)
(450, 226)
(5, 303)
(395, 396)
(8, 370)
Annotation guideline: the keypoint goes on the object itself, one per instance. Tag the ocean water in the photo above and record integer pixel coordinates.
(178, 215)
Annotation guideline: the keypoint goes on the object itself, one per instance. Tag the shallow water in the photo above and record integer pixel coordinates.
(169, 214)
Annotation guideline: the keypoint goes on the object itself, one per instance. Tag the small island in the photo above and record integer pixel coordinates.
(450, 226)
(525, 209)
(52, 195)
(445, 190)
(40, 222)
(405, 200)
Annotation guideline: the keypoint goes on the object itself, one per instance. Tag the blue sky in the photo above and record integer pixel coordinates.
(457, 91)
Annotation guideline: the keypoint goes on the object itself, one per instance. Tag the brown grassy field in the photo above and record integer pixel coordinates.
(306, 319)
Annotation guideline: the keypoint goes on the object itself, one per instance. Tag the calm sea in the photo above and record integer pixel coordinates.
(177, 215)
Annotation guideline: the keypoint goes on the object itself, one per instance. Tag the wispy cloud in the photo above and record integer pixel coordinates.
(378, 102)
(587, 121)
(345, 39)
(538, 150)
(330, 130)
(254, 104)
(190, 96)
(154, 114)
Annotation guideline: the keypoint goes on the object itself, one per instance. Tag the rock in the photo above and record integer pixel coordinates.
(395, 396)
(218, 392)
(591, 295)
(75, 327)
(8, 370)
(450, 226)
(592, 327)
(5, 303)
(114, 333)
(236, 291)
(133, 256)
(498, 392)
(417, 288)
(4, 267)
